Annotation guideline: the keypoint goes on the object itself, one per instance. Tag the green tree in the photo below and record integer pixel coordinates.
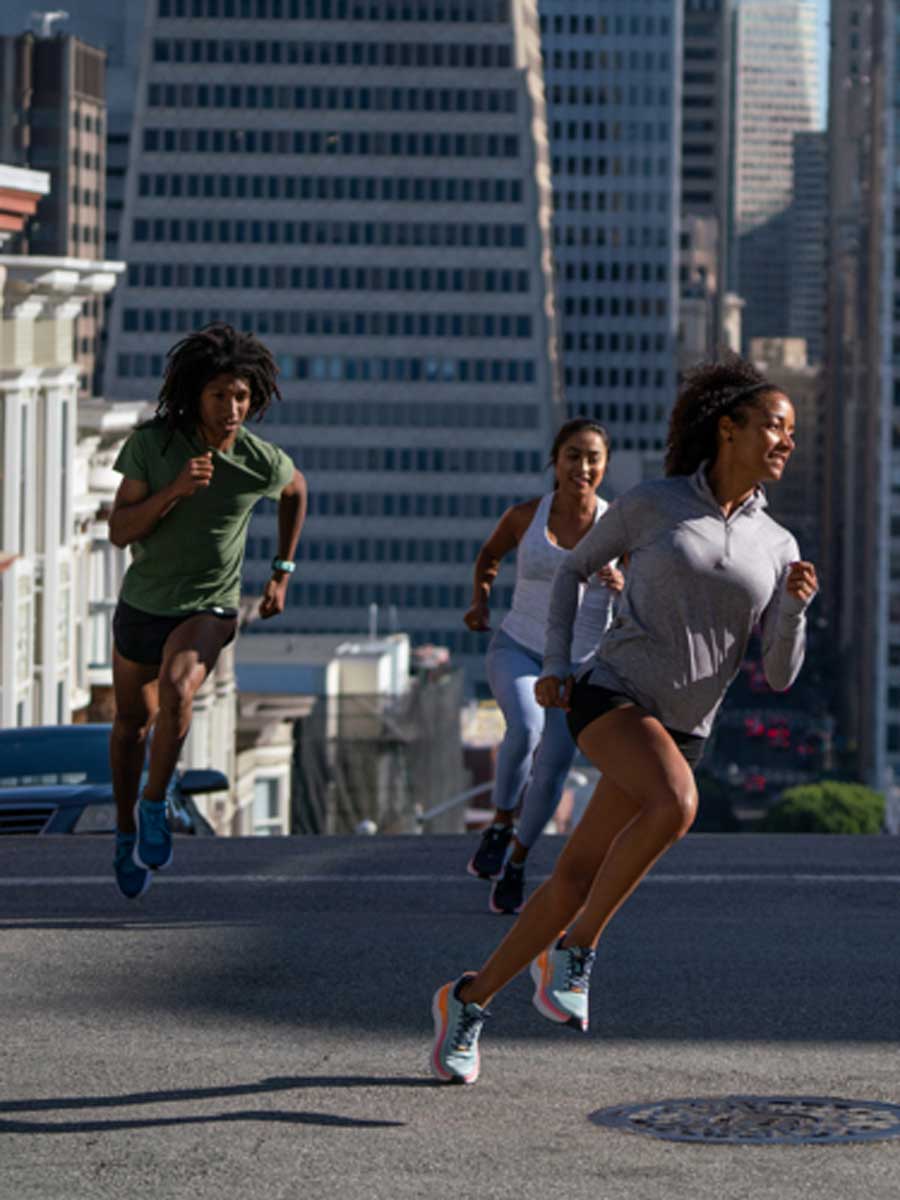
(826, 807)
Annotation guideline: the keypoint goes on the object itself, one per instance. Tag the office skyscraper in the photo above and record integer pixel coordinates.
(613, 78)
(861, 546)
(705, 171)
(776, 96)
(807, 266)
(365, 184)
(53, 118)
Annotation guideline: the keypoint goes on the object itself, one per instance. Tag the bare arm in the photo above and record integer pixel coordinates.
(505, 537)
(136, 513)
(291, 515)
(608, 540)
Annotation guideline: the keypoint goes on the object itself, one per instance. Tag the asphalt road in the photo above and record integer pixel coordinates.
(258, 1025)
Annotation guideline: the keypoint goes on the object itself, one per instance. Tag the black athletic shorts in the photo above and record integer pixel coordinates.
(140, 636)
(590, 701)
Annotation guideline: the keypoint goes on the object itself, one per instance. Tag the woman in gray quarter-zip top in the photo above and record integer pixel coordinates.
(706, 565)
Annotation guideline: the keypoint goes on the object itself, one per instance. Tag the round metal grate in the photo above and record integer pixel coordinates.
(757, 1120)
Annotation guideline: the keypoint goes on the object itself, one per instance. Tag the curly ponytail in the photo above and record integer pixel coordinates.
(710, 391)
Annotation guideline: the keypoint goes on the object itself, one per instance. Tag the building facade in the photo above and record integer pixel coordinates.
(613, 79)
(390, 243)
(706, 135)
(861, 549)
(776, 96)
(808, 221)
(53, 117)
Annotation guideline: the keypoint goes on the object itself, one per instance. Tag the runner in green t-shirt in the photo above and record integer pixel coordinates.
(192, 475)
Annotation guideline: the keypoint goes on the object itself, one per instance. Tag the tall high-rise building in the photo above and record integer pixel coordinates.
(365, 184)
(861, 546)
(613, 78)
(807, 263)
(118, 30)
(53, 114)
(705, 174)
(776, 96)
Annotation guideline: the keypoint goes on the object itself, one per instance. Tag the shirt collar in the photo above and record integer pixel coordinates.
(754, 503)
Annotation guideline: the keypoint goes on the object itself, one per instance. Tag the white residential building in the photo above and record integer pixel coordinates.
(375, 745)
(44, 594)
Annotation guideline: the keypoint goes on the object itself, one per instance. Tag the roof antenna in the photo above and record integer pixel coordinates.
(45, 21)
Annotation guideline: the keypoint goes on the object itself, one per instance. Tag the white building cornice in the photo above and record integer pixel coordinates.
(53, 280)
(22, 179)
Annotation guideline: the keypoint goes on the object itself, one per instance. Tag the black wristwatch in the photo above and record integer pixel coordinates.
(284, 565)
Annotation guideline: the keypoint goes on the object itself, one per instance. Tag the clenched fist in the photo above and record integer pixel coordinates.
(195, 474)
(802, 582)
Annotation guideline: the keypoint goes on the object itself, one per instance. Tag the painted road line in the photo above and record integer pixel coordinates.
(291, 880)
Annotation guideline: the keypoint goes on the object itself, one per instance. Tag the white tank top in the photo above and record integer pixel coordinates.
(536, 561)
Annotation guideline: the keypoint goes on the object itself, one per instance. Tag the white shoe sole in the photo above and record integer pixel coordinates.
(546, 1008)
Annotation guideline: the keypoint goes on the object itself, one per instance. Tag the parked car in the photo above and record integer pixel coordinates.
(56, 779)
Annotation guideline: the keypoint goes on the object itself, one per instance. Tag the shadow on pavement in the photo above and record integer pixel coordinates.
(277, 1083)
(282, 1118)
(168, 1096)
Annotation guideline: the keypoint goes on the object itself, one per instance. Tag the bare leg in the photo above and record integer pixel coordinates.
(518, 854)
(189, 655)
(134, 686)
(645, 801)
(667, 810)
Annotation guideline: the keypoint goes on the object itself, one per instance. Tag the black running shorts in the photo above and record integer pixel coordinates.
(590, 701)
(140, 636)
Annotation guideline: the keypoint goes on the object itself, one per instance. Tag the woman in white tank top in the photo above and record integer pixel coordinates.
(537, 749)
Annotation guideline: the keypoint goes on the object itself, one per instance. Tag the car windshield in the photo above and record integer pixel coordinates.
(71, 758)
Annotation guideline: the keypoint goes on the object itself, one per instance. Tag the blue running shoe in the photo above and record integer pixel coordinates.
(457, 1028)
(153, 848)
(133, 880)
(561, 978)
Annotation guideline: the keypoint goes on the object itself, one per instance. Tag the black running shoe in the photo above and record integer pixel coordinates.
(487, 861)
(508, 893)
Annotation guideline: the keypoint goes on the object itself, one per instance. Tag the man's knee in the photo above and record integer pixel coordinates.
(132, 727)
(176, 693)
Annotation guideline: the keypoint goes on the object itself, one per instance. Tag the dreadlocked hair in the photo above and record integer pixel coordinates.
(710, 391)
(217, 349)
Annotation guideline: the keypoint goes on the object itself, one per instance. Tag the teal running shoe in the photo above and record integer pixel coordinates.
(457, 1028)
(153, 848)
(133, 880)
(561, 978)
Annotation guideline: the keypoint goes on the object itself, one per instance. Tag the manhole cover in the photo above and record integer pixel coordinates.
(764, 1120)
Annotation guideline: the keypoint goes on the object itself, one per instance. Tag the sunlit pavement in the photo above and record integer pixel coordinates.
(258, 1025)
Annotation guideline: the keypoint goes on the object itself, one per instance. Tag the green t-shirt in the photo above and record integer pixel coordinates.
(192, 558)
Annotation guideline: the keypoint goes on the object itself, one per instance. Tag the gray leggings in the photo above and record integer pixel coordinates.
(537, 749)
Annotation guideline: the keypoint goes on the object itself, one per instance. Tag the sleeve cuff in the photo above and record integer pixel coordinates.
(556, 666)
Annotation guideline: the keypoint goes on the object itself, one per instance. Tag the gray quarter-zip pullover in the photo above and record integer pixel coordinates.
(696, 585)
